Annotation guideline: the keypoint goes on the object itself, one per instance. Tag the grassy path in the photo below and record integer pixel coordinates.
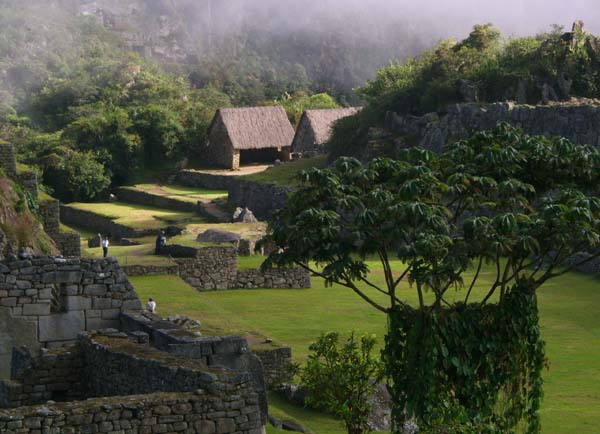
(570, 319)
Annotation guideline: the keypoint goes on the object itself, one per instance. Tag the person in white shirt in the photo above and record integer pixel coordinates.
(151, 306)
(105, 245)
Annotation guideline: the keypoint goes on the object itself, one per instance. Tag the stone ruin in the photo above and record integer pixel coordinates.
(78, 354)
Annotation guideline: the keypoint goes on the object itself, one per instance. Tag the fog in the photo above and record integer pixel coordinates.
(430, 19)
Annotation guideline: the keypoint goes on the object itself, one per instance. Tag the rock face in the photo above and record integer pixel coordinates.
(578, 120)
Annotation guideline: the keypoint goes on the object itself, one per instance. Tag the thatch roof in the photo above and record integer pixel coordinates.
(256, 127)
(315, 126)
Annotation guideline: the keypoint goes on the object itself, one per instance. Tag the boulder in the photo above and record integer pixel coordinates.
(218, 236)
(290, 425)
(293, 393)
(244, 216)
(380, 418)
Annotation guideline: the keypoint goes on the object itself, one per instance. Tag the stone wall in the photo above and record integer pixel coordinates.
(7, 159)
(577, 120)
(144, 198)
(50, 214)
(52, 375)
(231, 352)
(195, 178)
(262, 199)
(277, 365)
(69, 245)
(99, 223)
(210, 268)
(195, 413)
(29, 182)
(63, 297)
(147, 270)
(275, 278)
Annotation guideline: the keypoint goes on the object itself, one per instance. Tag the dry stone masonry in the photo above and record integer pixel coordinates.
(578, 120)
(216, 268)
(61, 297)
(114, 370)
(7, 159)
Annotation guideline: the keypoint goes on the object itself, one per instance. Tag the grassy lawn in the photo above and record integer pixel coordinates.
(129, 255)
(287, 173)
(138, 216)
(569, 319)
(252, 231)
(186, 194)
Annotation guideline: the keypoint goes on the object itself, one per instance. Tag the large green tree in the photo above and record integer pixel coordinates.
(517, 206)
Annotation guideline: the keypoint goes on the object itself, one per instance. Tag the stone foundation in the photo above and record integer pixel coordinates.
(194, 413)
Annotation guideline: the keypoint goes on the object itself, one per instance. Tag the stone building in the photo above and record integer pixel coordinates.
(240, 136)
(314, 129)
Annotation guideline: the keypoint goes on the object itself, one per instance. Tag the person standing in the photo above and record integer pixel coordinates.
(151, 306)
(105, 245)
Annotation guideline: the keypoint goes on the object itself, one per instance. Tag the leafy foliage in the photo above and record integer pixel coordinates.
(468, 368)
(298, 102)
(522, 204)
(342, 379)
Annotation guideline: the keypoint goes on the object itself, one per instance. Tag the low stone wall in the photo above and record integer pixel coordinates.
(262, 199)
(210, 268)
(276, 278)
(144, 198)
(62, 297)
(277, 365)
(231, 352)
(194, 178)
(52, 375)
(117, 366)
(195, 413)
(147, 270)
(590, 267)
(99, 223)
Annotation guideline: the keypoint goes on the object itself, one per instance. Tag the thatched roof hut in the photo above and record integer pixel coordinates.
(314, 129)
(246, 135)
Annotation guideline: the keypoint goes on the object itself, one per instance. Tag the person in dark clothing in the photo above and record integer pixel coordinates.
(161, 240)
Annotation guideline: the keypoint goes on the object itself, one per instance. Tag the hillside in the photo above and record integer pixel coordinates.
(20, 228)
(409, 99)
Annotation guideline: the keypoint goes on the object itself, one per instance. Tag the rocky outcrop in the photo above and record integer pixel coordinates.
(263, 199)
(577, 120)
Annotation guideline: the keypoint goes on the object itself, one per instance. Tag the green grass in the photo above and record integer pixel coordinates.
(287, 173)
(139, 216)
(253, 231)
(569, 319)
(183, 193)
(250, 262)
